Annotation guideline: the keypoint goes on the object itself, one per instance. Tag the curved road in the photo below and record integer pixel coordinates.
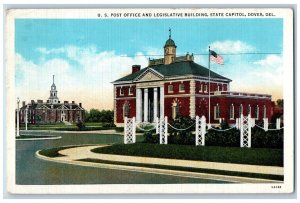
(33, 171)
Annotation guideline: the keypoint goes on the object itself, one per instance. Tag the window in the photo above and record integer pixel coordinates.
(181, 87)
(217, 111)
(220, 88)
(126, 110)
(170, 88)
(205, 88)
(200, 88)
(265, 111)
(121, 91)
(231, 112)
(54, 94)
(175, 110)
(249, 110)
(241, 110)
(257, 112)
(130, 90)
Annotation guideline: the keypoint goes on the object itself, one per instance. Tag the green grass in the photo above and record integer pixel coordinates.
(197, 170)
(257, 156)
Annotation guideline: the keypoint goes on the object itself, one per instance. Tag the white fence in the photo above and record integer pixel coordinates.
(244, 124)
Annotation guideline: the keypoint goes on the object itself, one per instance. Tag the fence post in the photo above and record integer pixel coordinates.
(125, 130)
(253, 122)
(197, 131)
(133, 130)
(250, 123)
(241, 130)
(278, 123)
(266, 124)
(166, 130)
(157, 125)
(203, 130)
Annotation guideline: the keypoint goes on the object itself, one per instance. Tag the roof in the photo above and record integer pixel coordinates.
(170, 42)
(181, 68)
(55, 106)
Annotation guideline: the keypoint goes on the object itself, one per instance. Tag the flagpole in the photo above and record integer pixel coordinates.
(208, 86)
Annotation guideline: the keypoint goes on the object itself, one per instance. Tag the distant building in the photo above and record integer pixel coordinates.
(52, 111)
(177, 86)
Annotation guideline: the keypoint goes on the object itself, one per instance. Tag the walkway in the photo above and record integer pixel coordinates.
(84, 152)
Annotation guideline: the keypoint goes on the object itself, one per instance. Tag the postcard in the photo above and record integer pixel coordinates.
(149, 101)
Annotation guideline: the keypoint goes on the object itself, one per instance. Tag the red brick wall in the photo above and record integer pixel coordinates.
(225, 103)
(184, 106)
(176, 88)
(126, 91)
(213, 87)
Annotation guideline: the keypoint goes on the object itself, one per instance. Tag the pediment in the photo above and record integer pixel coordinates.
(149, 75)
(43, 107)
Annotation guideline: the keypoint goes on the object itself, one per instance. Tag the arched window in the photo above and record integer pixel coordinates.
(231, 112)
(241, 110)
(175, 110)
(126, 110)
(249, 110)
(257, 112)
(217, 111)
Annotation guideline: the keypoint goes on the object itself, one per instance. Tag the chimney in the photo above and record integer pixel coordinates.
(23, 103)
(66, 102)
(80, 104)
(136, 68)
(32, 101)
(73, 102)
(40, 101)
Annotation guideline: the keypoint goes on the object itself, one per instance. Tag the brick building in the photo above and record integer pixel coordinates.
(177, 86)
(52, 111)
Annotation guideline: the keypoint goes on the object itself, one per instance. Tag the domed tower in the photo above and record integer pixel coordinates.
(53, 99)
(169, 50)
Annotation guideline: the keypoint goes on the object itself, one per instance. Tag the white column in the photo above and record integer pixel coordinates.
(162, 102)
(146, 105)
(155, 103)
(138, 101)
(192, 99)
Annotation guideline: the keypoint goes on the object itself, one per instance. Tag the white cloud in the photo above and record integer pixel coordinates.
(88, 80)
(230, 47)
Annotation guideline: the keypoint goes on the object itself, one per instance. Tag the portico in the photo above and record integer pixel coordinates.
(149, 103)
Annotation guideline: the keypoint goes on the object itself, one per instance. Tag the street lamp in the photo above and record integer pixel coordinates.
(18, 118)
(26, 117)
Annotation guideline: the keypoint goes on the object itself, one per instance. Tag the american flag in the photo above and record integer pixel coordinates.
(216, 58)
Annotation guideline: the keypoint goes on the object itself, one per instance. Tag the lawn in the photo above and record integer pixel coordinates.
(257, 156)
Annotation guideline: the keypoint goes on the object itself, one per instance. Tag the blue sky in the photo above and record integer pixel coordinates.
(86, 55)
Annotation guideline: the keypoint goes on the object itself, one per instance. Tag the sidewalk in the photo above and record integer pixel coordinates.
(72, 155)
(85, 152)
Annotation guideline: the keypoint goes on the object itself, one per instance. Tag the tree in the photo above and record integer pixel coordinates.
(94, 115)
(280, 102)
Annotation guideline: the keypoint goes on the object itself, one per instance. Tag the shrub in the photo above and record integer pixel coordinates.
(108, 125)
(80, 125)
(151, 137)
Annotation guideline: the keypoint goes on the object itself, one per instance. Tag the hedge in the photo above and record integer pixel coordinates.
(229, 138)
